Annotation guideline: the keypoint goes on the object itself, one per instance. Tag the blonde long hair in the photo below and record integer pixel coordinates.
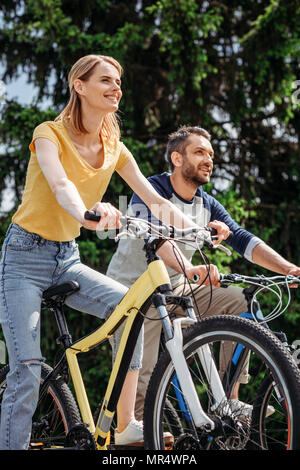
(71, 114)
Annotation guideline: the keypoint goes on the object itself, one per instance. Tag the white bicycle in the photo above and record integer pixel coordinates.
(186, 394)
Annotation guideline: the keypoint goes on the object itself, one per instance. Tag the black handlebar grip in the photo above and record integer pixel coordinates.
(92, 215)
(214, 232)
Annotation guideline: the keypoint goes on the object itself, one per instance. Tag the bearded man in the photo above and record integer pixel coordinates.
(190, 156)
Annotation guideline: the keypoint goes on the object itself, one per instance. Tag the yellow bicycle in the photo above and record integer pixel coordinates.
(60, 421)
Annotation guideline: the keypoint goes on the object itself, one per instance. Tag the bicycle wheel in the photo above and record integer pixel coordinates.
(274, 379)
(55, 414)
(267, 398)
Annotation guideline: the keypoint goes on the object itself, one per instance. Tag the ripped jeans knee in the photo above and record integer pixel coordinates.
(32, 369)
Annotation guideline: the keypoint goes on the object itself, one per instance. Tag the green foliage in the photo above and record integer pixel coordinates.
(179, 32)
(228, 66)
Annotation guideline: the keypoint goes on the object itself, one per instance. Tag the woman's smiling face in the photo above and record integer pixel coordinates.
(102, 90)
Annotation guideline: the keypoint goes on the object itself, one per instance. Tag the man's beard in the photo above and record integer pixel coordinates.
(191, 175)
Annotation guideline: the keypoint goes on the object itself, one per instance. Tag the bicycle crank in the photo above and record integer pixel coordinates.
(79, 438)
(187, 442)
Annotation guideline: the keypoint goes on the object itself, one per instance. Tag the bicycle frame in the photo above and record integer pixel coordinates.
(130, 309)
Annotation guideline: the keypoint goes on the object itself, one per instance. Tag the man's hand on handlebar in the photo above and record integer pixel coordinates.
(199, 274)
(294, 271)
(222, 230)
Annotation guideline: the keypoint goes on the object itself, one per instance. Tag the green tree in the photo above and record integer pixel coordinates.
(228, 66)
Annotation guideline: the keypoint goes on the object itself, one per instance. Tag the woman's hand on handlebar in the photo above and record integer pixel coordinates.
(109, 217)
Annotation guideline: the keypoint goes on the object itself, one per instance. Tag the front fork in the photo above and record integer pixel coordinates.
(174, 344)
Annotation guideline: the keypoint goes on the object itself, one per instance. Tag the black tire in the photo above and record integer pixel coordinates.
(55, 415)
(261, 435)
(172, 419)
(270, 362)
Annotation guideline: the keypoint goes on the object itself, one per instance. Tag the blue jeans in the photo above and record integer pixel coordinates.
(29, 265)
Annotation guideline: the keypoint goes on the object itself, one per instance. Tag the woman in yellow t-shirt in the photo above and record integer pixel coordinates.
(71, 163)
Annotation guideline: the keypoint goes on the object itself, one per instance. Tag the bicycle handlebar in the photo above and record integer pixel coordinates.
(140, 228)
(258, 279)
(203, 236)
(92, 215)
(260, 283)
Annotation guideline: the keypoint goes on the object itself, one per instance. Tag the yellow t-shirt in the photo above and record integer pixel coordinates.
(39, 211)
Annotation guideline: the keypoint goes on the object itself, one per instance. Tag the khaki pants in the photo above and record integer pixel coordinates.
(224, 301)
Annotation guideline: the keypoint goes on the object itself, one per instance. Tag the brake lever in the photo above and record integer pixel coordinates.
(214, 236)
(130, 229)
(223, 248)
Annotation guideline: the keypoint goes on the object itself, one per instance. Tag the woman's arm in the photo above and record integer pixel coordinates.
(163, 209)
(63, 189)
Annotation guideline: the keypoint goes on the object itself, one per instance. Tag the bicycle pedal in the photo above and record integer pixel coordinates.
(37, 446)
(169, 447)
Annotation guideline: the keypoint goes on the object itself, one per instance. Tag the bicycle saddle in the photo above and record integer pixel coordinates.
(60, 290)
